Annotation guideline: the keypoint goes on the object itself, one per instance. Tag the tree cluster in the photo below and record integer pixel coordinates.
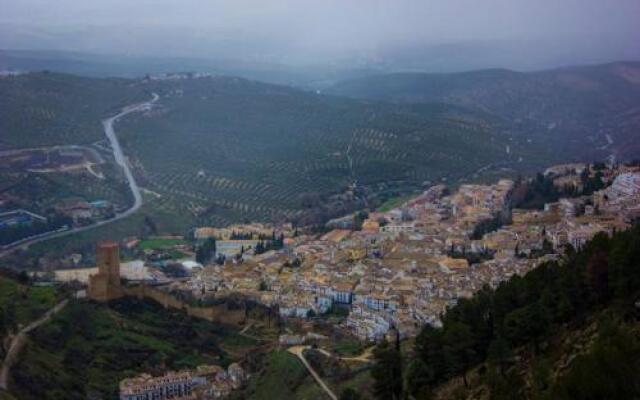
(534, 193)
(273, 243)
(206, 251)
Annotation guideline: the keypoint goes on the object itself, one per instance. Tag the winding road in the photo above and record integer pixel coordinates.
(119, 156)
(121, 161)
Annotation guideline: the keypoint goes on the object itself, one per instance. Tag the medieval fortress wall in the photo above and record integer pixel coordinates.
(106, 286)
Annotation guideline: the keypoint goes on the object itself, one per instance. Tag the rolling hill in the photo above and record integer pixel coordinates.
(132, 66)
(226, 149)
(45, 109)
(573, 108)
(217, 150)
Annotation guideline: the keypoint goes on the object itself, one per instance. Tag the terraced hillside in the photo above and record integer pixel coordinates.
(45, 109)
(219, 150)
(584, 111)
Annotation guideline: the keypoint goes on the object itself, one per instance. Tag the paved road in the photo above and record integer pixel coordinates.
(119, 156)
(297, 351)
(18, 341)
(121, 161)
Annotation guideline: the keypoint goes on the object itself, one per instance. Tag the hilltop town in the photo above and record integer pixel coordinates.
(400, 269)
(368, 275)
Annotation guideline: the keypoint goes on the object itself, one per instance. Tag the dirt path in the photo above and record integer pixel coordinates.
(18, 341)
(297, 351)
(365, 357)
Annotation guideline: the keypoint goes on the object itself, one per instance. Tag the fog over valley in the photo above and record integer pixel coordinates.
(433, 35)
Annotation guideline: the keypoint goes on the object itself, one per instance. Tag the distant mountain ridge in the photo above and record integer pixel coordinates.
(578, 105)
(134, 66)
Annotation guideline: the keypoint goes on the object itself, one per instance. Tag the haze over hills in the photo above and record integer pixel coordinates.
(137, 66)
(403, 35)
(575, 107)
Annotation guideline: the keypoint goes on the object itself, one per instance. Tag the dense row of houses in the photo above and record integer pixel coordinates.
(406, 266)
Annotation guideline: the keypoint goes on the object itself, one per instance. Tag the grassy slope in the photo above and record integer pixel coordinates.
(28, 302)
(159, 243)
(394, 202)
(283, 377)
(86, 350)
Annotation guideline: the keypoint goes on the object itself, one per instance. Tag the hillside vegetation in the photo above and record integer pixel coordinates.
(220, 150)
(44, 109)
(569, 108)
(217, 150)
(88, 348)
(21, 304)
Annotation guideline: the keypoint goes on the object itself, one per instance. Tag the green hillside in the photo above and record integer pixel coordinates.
(220, 150)
(21, 304)
(44, 109)
(88, 348)
(570, 108)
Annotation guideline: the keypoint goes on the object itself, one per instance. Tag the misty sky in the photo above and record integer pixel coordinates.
(314, 30)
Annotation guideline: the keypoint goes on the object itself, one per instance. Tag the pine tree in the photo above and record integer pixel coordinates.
(387, 372)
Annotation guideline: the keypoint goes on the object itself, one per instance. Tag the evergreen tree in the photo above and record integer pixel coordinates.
(499, 353)
(387, 372)
(350, 394)
(206, 251)
(458, 349)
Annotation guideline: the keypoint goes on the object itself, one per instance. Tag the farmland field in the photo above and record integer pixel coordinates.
(221, 150)
(159, 243)
(44, 109)
(224, 150)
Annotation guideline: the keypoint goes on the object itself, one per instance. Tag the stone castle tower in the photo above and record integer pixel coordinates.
(105, 285)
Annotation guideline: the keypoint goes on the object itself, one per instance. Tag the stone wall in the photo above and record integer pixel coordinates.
(216, 313)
